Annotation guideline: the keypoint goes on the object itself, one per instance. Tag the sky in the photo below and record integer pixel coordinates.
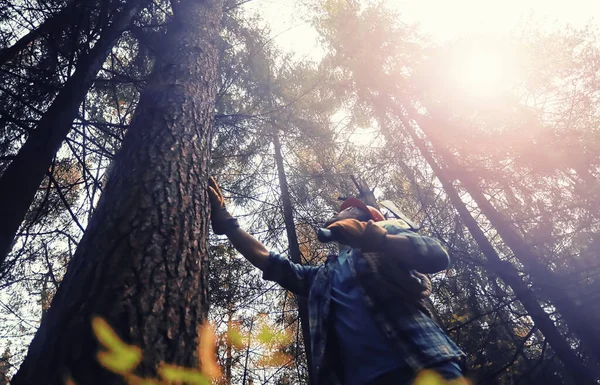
(479, 74)
(442, 20)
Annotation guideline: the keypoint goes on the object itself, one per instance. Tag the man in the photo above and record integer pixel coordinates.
(368, 319)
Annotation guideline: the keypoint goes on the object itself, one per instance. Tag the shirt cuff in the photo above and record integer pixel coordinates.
(269, 270)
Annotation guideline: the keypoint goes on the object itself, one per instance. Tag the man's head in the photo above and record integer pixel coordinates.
(356, 209)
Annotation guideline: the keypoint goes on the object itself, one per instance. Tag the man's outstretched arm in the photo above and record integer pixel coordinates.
(418, 252)
(251, 248)
(421, 253)
(290, 275)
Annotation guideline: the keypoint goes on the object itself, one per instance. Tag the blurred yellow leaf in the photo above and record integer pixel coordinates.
(429, 377)
(180, 375)
(459, 381)
(122, 358)
(119, 357)
(271, 337)
(117, 363)
(284, 338)
(69, 381)
(265, 335)
(235, 336)
(132, 379)
(207, 351)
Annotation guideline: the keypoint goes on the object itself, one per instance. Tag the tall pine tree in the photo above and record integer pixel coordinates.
(140, 262)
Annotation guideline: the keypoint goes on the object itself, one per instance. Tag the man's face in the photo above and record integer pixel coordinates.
(350, 212)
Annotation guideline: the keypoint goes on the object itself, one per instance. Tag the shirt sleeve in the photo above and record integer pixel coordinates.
(292, 276)
(430, 251)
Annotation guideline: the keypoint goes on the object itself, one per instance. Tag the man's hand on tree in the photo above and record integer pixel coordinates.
(366, 236)
(222, 222)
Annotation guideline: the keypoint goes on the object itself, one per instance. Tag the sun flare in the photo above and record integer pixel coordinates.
(482, 73)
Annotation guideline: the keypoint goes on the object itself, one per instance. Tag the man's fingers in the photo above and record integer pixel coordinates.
(213, 184)
(215, 198)
(213, 194)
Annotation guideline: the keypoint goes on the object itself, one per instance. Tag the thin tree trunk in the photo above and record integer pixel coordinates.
(141, 263)
(21, 179)
(506, 271)
(294, 247)
(228, 345)
(245, 376)
(228, 353)
(549, 284)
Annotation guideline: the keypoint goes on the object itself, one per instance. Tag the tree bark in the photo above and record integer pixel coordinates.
(21, 179)
(506, 271)
(141, 263)
(294, 247)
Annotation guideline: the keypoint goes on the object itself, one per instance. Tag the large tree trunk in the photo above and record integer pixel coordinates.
(549, 284)
(21, 179)
(141, 263)
(294, 247)
(506, 271)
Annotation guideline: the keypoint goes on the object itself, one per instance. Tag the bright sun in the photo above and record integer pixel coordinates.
(482, 71)
(482, 74)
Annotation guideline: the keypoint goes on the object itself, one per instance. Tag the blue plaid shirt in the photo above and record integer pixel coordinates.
(414, 334)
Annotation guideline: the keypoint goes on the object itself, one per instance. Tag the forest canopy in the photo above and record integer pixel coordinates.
(113, 114)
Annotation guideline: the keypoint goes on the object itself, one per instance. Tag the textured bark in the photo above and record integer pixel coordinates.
(141, 262)
(294, 247)
(21, 179)
(507, 272)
